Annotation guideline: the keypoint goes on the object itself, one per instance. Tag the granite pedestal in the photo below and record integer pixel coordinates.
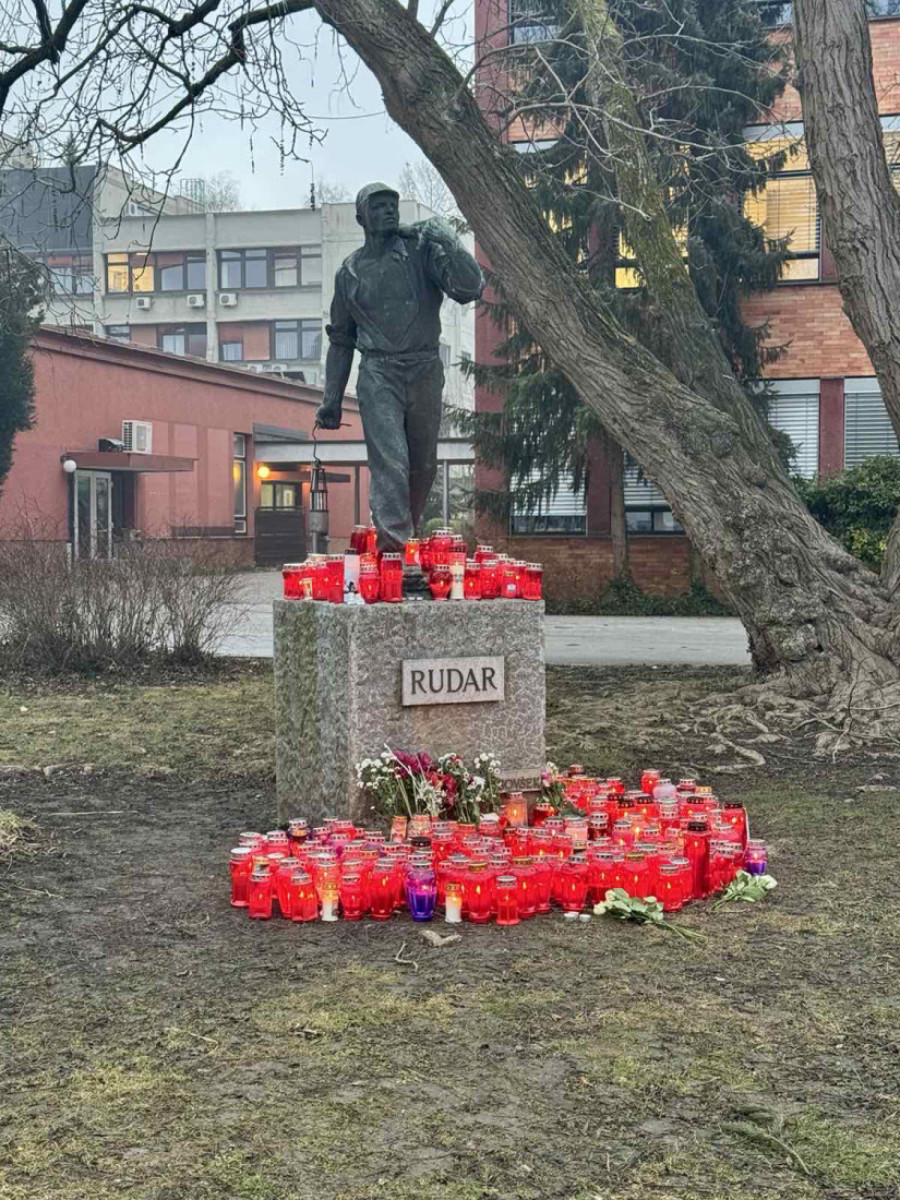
(339, 695)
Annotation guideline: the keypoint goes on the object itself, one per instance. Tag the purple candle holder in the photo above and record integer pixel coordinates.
(421, 894)
(756, 858)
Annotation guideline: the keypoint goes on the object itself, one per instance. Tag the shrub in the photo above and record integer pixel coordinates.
(857, 506)
(153, 601)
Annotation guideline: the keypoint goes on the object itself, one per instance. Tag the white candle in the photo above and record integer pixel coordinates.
(328, 909)
(457, 576)
(453, 914)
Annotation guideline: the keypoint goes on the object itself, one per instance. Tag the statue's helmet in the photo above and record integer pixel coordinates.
(365, 195)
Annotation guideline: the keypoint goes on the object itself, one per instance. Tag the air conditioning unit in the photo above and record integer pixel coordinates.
(137, 437)
(256, 368)
(197, 300)
(274, 368)
(228, 299)
(143, 302)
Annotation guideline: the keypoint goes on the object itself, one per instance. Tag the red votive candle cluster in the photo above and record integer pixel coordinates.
(678, 845)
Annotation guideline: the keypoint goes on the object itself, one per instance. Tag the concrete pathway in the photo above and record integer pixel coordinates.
(570, 641)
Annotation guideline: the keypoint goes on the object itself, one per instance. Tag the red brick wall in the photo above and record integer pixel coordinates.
(885, 36)
(576, 569)
(811, 319)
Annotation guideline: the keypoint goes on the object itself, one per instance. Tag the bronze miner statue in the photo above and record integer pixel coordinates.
(387, 305)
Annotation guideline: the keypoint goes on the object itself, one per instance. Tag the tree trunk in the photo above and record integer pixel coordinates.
(812, 611)
(860, 208)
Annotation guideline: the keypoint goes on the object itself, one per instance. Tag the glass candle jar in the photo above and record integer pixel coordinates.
(490, 577)
(598, 826)
(335, 576)
(472, 582)
(509, 580)
(371, 546)
(670, 890)
(277, 842)
(601, 876)
(369, 581)
(533, 581)
(304, 902)
(664, 790)
(382, 889)
(282, 885)
(441, 544)
(696, 848)
(259, 894)
(330, 899)
(411, 553)
(573, 885)
(527, 881)
(615, 786)
(239, 864)
(440, 581)
(358, 540)
(506, 899)
(489, 825)
(649, 779)
(515, 811)
(636, 873)
(544, 869)
(577, 829)
(421, 893)
(391, 578)
(298, 832)
(479, 893)
(756, 858)
(457, 575)
(453, 900)
(734, 813)
(352, 896)
(290, 574)
(318, 565)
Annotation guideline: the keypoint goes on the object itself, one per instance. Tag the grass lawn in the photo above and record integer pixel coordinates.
(154, 1044)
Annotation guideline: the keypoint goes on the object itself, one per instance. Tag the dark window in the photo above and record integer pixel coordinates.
(641, 520)
(273, 268)
(119, 333)
(528, 22)
(775, 12)
(298, 340)
(71, 274)
(182, 339)
(278, 495)
(195, 267)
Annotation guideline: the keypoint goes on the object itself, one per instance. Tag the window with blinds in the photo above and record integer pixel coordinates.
(563, 513)
(794, 410)
(641, 493)
(867, 426)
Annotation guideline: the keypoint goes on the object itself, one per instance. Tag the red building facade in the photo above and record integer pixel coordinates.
(826, 395)
(194, 463)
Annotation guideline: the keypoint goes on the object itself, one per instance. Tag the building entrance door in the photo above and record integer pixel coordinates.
(93, 514)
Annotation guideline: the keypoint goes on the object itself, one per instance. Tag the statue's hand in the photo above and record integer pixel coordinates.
(328, 416)
(436, 229)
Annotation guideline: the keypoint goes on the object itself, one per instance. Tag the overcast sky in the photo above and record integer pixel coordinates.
(362, 144)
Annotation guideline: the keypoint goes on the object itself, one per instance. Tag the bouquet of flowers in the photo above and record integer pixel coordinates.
(401, 784)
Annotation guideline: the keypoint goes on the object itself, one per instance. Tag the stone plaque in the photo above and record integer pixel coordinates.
(453, 680)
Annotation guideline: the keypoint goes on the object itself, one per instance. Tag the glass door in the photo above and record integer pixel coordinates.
(93, 514)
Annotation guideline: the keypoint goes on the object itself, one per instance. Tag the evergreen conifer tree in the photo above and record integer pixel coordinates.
(22, 291)
(701, 71)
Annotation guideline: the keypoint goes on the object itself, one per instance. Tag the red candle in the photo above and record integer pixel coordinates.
(369, 581)
(532, 585)
(259, 894)
(516, 810)
(574, 884)
(509, 580)
(239, 864)
(290, 573)
(335, 577)
(479, 893)
(440, 581)
(649, 780)
(506, 893)
(472, 580)
(304, 901)
(483, 551)
(353, 897)
(601, 876)
(281, 885)
(734, 813)
(670, 892)
(544, 869)
(277, 842)
(696, 847)
(383, 889)
(636, 873)
(391, 578)
(371, 540)
(490, 577)
(527, 878)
